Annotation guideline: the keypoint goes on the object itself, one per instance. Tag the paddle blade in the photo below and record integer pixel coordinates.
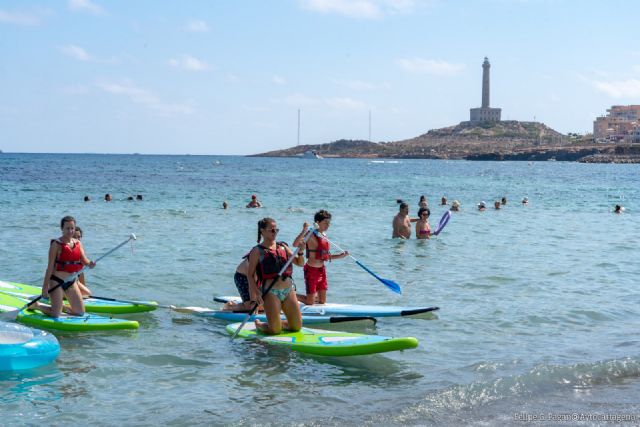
(9, 316)
(391, 285)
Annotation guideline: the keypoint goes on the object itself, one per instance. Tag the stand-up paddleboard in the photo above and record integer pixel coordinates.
(91, 305)
(238, 316)
(327, 343)
(331, 309)
(25, 348)
(88, 322)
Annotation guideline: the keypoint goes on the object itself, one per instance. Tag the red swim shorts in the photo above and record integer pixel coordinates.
(315, 279)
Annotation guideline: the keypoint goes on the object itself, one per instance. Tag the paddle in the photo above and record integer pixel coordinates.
(388, 283)
(264, 293)
(443, 221)
(13, 313)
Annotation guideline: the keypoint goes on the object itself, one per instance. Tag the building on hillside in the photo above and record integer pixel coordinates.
(621, 124)
(485, 113)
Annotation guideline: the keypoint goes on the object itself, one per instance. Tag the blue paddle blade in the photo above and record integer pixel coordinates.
(388, 283)
(391, 285)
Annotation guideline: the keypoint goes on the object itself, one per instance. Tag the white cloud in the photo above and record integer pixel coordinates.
(345, 104)
(197, 26)
(429, 66)
(143, 97)
(362, 9)
(76, 52)
(279, 80)
(300, 100)
(18, 18)
(85, 6)
(187, 62)
(618, 89)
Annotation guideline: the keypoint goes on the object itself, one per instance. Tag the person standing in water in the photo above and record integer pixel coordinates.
(66, 256)
(423, 229)
(254, 203)
(266, 259)
(402, 222)
(317, 252)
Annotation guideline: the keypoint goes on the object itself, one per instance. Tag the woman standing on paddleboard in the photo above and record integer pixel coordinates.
(66, 256)
(315, 272)
(272, 289)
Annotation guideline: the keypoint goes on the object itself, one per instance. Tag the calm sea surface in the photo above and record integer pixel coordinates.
(540, 305)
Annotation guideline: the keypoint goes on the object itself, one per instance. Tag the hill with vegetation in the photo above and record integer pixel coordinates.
(504, 140)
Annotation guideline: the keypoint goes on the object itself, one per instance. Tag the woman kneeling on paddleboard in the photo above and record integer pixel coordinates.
(272, 290)
(66, 256)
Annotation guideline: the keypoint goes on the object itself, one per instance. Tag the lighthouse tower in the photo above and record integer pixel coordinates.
(485, 113)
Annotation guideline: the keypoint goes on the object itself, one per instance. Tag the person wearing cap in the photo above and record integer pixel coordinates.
(455, 206)
(254, 203)
(525, 201)
(482, 206)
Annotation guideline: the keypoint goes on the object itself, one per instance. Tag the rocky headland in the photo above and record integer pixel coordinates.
(504, 140)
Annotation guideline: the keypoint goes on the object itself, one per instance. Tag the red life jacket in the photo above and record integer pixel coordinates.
(69, 259)
(322, 251)
(272, 261)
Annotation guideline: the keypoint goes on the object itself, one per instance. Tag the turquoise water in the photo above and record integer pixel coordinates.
(539, 304)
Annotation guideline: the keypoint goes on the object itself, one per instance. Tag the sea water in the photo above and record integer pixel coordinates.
(539, 304)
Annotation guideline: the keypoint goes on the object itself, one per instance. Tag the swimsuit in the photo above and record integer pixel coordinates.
(281, 294)
(315, 279)
(242, 283)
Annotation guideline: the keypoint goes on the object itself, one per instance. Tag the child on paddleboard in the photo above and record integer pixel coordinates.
(82, 284)
(315, 273)
(269, 288)
(66, 256)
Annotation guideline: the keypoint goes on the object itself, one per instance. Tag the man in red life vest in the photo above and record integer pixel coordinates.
(315, 274)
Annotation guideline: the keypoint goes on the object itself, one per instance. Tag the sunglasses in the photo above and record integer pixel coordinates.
(274, 230)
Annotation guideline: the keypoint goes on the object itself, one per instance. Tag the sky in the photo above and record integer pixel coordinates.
(229, 77)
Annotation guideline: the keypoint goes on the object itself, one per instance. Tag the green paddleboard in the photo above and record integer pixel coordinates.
(327, 343)
(91, 305)
(88, 322)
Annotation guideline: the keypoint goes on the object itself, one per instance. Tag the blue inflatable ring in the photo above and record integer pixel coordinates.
(25, 348)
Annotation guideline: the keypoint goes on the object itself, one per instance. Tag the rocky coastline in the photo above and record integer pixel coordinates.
(506, 140)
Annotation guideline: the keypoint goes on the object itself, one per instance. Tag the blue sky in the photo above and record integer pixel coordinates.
(228, 77)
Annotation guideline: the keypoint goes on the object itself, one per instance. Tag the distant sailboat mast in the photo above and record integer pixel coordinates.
(298, 126)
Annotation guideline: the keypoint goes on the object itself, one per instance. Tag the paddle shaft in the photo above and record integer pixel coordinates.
(77, 273)
(273, 282)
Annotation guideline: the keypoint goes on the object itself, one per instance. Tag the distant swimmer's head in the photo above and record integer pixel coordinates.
(455, 205)
(138, 196)
(87, 198)
(525, 200)
(107, 197)
(496, 204)
(78, 233)
(254, 197)
(443, 201)
(482, 205)
(424, 211)
(618, 209)
(130, 198)
(225, 205)
(504, 200)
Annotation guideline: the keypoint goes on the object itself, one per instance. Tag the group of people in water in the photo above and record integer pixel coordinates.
(108, 197)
